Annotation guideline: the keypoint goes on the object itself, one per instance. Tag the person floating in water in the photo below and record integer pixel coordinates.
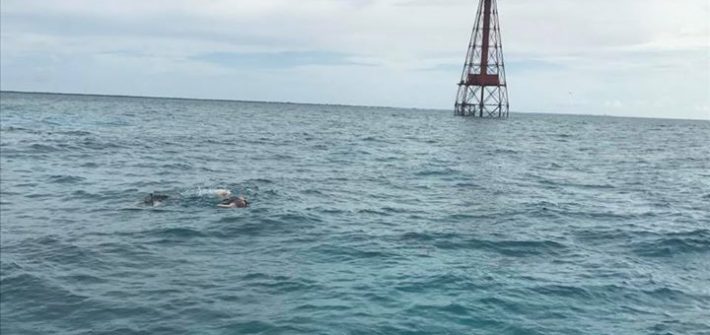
(155, 199)
(228, 201)
(234, 202)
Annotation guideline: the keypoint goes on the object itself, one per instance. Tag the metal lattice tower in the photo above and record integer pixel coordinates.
(483, 91)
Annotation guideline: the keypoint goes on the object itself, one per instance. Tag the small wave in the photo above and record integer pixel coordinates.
(341, 253)
(177, 166)
(374, 139)
(176, 233)
(295, 218)
(373, 211)
(230, 219)
(449, 309)
(466, 184)
(467, 217)
(417, 236)
(54, 250)
(285, 284)
(114, 123)
(505, 151)
(75, 133)
(508, 248)
(566, 291)
(393, 210)
(259, 276)
(99, 145)
(10, 267)
(253, 327)
(258, 181)
(436, 172)
(26, 185)
(26, 289)
(38, 196)
(567, 184)
(84, 279)
(602, 216)
(131, 209)
(43, 148)
(440, 281)
(601, 236)
(675, 295)
(81, 194)
(63, 179)
(237, 227)
(313, 192)
(313, 308)
(329, 211)
(20, 130)
(241, 225)
(697, 241)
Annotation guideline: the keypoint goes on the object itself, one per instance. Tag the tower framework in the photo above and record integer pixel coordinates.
(483, 90)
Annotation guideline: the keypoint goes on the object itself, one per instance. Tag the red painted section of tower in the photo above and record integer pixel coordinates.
(486, 36)
(483, 78)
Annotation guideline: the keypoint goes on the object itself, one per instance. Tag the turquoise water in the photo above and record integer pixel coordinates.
(362, 220)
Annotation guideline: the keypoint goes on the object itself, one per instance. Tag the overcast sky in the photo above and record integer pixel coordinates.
(618, 57)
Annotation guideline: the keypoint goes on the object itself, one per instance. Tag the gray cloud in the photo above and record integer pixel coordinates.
(603, 50)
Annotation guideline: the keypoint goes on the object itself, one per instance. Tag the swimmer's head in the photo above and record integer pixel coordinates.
(234, 202)
(241, 202)
(154, 199)
(148, 199)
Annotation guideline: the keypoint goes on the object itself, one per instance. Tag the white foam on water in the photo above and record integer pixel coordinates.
(219, 192)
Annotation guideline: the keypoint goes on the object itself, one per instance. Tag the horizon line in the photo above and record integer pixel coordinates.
(318, 104)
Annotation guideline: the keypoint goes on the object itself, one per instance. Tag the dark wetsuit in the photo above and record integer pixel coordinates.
(151, 199)
(239, 202)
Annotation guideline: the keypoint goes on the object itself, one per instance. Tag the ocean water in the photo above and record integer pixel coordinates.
(362, 220)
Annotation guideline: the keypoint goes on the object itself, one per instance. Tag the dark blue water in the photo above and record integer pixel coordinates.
(363, 220)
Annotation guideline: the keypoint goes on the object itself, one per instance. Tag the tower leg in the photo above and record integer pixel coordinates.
(483, 93)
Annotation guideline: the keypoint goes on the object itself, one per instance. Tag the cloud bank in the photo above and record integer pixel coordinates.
(617, 57)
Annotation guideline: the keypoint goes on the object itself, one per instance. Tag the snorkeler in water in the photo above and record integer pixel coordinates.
(234, 202)
(155, 199)
(228, 201)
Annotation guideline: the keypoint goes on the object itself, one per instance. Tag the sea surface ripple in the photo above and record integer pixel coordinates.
(363, 220)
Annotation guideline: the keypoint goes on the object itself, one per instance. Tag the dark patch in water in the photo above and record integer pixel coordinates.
(674, 244)
(508, 248)
(76, 133)
(436, 172)
(64, 179)
(42, 148)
